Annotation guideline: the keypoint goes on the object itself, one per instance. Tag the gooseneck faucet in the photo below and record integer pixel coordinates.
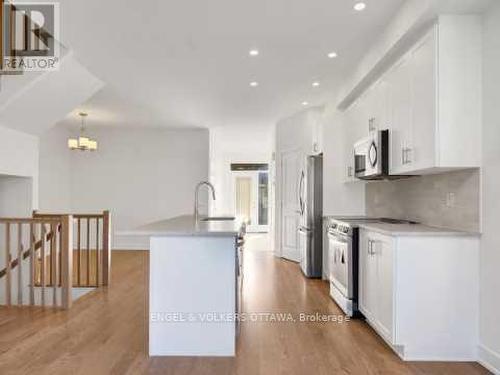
(196, 193)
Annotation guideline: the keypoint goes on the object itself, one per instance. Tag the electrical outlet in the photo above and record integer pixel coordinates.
(450, 200)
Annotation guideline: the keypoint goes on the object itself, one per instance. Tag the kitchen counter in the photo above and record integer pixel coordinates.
(187, 226)
(399, 230)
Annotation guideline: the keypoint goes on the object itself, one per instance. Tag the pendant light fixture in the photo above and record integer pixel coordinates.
(83, 143)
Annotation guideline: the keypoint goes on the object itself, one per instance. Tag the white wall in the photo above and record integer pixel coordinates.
(235, 145)
(47, 98)
(55, 171)
(141, 175)
(19, 157)
(16, 194)
(490, 243)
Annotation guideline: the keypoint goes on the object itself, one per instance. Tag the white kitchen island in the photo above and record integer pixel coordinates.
(193, 286)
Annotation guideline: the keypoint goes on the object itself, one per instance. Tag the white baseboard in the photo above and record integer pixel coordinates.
(489, 359)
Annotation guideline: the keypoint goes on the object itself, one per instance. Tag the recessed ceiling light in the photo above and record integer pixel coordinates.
(332, 55)
(254, 84)
(359, 6)
(253, 52)
(305, 103)
(315, 84)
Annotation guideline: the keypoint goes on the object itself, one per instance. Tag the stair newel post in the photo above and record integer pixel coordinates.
(32, 263)
(67, 260)
(106, 251)
(7, 265)
(20, 263)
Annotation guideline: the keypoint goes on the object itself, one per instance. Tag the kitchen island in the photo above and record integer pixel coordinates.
(193, 285)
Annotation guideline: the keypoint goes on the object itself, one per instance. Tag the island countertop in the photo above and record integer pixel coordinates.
(186, 225)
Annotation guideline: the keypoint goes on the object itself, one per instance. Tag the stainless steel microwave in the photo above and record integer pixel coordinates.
(371, 156)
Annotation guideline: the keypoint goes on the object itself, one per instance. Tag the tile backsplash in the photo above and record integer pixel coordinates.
(450, 200)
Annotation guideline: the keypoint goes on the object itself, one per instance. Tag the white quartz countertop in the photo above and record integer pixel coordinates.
(398, 230)
(187, 226)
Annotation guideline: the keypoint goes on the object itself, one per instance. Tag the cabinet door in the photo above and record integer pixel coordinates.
(367, 277)
(421, 150)
(383, 253)
(348, 143)
(379, 114)
(398, 81)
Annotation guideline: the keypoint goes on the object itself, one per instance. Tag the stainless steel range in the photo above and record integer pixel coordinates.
(343, 253)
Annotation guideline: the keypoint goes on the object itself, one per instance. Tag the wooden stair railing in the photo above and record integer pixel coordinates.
(26, 254)
(61, 255)
(92, 248)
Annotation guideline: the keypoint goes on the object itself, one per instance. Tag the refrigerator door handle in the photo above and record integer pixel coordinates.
(304, 230)
(301, 191)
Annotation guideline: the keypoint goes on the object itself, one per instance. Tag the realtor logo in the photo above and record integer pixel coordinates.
(29, 37)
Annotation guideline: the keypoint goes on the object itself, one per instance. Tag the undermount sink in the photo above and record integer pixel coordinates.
(218, 218)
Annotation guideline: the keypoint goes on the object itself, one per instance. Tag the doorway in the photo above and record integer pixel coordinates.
(251, 195)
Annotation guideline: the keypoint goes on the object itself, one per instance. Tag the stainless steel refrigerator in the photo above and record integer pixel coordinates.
(310, 198)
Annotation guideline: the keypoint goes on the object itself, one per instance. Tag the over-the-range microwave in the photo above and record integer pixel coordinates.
(371, 157)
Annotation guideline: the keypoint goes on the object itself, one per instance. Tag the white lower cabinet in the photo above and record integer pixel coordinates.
(376, 300)
(419, 293)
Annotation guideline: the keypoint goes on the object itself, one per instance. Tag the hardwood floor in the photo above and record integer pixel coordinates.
(106, 332)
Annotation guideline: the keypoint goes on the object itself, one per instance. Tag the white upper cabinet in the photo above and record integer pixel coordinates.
(434, 92)
(378, 112)
(400, 115)
(354, 126)
(420, 152)
(429, 100)
(413, 87)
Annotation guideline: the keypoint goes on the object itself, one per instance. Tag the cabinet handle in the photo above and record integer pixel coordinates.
(405, 155)
(409, 155)
(371, 243)
(371, 124)
(349, 171)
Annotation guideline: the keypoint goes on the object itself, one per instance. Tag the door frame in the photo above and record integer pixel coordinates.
(254, 175)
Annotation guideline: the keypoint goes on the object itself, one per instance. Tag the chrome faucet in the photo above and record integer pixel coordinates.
(196, 193)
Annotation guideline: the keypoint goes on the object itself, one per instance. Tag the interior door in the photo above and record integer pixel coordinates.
(291, 169)
(244, 197)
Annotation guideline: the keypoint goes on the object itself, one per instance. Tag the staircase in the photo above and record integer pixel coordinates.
(48, 257)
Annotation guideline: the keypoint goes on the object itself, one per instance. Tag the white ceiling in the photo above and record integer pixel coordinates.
(186, 63)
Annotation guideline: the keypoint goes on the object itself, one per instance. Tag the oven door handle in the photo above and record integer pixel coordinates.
(338, 238)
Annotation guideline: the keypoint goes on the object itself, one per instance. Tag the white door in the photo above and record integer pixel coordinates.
(290, 208)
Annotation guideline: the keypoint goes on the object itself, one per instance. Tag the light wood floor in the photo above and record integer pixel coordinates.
(105, 332)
